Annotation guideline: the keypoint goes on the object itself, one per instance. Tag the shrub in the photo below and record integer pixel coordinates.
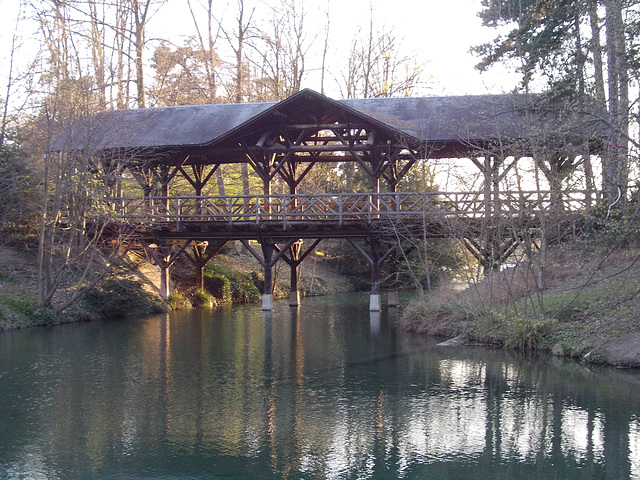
(242, 286)
(525, 333)
(121, 298)
(7, 277)
(179, 301)
(243, 289)
(25, 307)
(220, 288)
(202, 298)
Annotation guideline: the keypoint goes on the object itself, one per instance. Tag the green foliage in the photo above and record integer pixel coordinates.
(566, 306)
(122, 298)
(202, 298)
(25, 307)
(7, 277)
(19, 186)
(178, 300)
(220, 288)
(16, 313)
(242, 285)
(540, 35)
(522, 333)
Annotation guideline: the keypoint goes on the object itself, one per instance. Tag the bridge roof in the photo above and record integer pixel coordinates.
(451, 120)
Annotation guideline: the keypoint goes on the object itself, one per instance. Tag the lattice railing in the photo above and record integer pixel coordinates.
(342, 208)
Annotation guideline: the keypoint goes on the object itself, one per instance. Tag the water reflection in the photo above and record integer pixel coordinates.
(326, 390)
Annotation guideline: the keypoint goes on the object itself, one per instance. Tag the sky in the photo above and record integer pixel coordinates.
(439, 33)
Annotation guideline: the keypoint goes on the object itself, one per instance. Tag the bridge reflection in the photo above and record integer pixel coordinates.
(312, 399)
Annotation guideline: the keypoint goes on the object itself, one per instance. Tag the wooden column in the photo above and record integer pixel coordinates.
(201, 257)
(267, 289)
(375, 303)
(267, 260)
(164, 256)
(375, 261)
(294, 259)
(294, 291)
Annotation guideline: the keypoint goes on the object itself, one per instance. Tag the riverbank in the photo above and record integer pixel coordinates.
(134, 290)
(587, 307)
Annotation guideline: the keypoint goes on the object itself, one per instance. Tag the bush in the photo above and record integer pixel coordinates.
(24, 307)
(202, 298)
(243, 287)
(122, 298)
(220, 288)
(525, 333)
(179, 301)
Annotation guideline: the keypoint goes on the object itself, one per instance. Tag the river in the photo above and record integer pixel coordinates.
(326, 390)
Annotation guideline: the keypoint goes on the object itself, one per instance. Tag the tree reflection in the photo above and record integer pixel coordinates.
(306, 391)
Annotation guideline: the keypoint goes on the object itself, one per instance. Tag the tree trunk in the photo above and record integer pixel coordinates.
(615, 168)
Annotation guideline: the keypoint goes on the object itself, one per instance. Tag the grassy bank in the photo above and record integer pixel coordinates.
(232, 277)
(583, 302)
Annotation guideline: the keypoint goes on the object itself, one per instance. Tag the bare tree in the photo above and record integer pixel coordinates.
(280, 51)
(378, 68)
(141, 14)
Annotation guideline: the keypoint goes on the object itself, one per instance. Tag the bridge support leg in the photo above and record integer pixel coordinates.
(293, 256)
(294, 292)
(268, 260)
(375, 303)
(267, 290)
(375, 260)
(201, 257)
(164, 256)
(393, 298)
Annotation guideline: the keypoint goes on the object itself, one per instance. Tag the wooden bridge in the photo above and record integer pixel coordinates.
(152, 152)
(490, 225)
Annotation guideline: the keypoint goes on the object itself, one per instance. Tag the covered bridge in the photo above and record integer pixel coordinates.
(282, 142)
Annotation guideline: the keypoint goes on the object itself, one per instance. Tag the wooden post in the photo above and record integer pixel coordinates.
(294, 291)
(375, 303)
(201, 258)
(164, 256)
(267, 289)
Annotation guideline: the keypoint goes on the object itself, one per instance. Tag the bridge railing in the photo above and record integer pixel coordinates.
(343, 208)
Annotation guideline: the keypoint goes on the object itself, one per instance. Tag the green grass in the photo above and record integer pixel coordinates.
(24, 307)
(7, 277)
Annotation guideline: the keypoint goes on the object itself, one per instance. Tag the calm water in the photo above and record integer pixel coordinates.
(323, 391)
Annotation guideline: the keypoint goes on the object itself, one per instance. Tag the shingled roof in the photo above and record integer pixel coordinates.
(462, 119)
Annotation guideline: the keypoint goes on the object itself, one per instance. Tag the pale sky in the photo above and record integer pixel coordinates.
(439, 33)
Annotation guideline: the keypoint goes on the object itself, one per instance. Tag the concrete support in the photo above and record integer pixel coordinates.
(374, 322)
(375, 304)
(267, 290)
(294, 298)
(267, 301)
(393, 298)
